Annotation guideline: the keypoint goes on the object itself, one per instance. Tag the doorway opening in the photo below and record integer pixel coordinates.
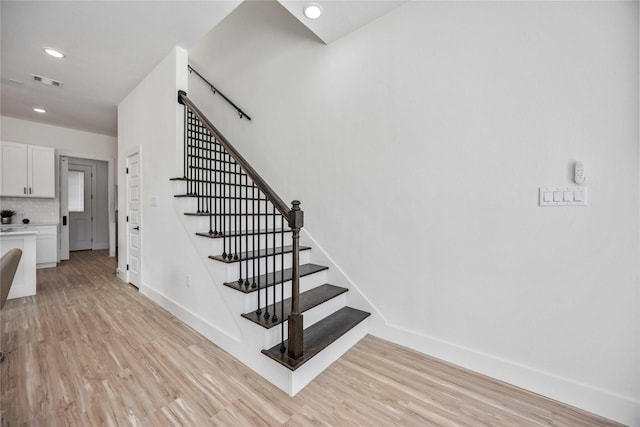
(84, 205)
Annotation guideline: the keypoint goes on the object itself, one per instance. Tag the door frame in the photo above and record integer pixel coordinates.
(63, 250)
(91, 164)
(111, 186)
(125, 250)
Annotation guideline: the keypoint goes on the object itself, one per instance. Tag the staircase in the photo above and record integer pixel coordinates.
(255, 238)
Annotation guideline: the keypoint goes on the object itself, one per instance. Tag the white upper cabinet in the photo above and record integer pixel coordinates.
(27, 170)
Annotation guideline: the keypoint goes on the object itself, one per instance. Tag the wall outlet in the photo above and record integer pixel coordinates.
(187, 281)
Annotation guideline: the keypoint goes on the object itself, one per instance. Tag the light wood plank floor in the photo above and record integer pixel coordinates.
(88, 350)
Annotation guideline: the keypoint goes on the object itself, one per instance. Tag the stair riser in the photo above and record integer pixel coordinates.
(182, 188)
(226, 205)
(304, 375)
(273, 336)
(306, 283)
(201, 223)
(250, 243)
(266, 265)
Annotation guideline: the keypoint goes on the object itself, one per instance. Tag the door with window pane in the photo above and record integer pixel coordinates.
(80, 214)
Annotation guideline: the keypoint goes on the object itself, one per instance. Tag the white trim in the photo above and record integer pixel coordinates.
(187, 316)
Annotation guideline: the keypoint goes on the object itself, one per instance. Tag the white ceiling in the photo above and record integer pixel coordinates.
(109, 46)
(340, 17)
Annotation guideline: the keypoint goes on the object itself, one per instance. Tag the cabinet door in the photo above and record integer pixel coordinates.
(41, 172)
(46, 249)
(13, 178)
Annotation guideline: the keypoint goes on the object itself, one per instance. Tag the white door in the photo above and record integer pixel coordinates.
(80, 212)
(64, 208)
(134, 241)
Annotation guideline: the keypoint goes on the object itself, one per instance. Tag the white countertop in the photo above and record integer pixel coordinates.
(31, 224)
(16, 231)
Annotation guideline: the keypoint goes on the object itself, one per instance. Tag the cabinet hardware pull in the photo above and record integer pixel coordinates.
(25, 190)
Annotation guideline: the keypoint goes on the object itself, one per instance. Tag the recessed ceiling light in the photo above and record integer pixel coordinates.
(39, 110)
(312, 11)
(53, 52)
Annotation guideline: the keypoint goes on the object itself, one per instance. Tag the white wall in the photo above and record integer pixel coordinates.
(68, 142)
(417, 145)
(149, 121)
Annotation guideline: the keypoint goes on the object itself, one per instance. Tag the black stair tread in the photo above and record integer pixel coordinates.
(243, 233)
(258, 254)
(308, 300)
(230, 214)
(267, 280)
(209, 182)
(319, 336)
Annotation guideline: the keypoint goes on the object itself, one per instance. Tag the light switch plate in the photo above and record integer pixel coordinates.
(562, 196)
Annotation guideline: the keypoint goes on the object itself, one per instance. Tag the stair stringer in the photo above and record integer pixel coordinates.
(357, 298)
(247, 346)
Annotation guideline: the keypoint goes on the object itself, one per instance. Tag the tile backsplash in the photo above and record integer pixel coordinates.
(37, 210)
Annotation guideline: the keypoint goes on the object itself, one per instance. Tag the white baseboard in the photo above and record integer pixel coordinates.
(210, 331)
(122, 275)
(100, 246)
(598, 401)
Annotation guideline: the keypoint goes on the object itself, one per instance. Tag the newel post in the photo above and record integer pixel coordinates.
(296, 221)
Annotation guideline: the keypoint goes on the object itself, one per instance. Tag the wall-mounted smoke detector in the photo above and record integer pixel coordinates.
(47, 81)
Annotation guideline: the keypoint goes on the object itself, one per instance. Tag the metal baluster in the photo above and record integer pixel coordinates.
(235, 210)
(266, 260)
(273, 240)
(201, 188)
(282, 347)
(220, 206)
(254, 231)
(209, 184)
(189, 170)
(238, 203)
(259, 310)
(186, 142)
(223, 209)
(212, 199)
(246, 229)
(199, 166)
(214, 179)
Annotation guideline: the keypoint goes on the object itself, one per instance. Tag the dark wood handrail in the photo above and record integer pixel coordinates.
(282, 207)
(294, 216)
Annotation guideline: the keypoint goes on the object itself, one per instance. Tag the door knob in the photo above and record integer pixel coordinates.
(136, 228)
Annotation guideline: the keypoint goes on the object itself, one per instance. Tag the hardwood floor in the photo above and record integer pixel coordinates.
(88, 350)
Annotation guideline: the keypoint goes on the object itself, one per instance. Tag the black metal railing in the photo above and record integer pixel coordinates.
(215, 90)
(249, 217)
